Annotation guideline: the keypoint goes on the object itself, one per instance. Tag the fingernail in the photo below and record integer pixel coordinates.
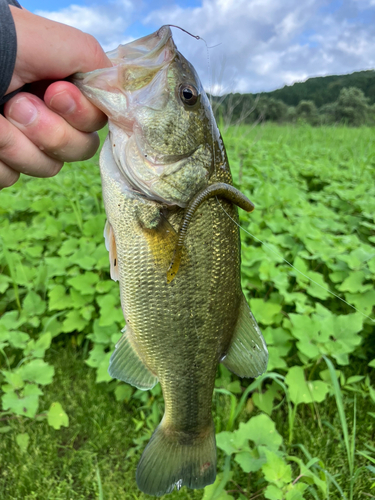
(23, 111)
(63, 103)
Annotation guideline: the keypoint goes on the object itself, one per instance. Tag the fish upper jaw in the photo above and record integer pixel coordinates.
(136, 65)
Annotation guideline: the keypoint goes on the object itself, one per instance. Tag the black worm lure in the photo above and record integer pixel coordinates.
(220, 189)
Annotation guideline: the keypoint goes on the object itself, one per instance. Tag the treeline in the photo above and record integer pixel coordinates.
(353, 105)
(325, 89)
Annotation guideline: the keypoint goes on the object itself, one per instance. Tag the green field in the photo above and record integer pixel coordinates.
(304, 430)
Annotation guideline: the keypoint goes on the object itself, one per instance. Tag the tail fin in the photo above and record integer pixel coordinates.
(174, 459)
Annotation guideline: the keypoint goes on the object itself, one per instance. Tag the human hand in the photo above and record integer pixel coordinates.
(37, 136)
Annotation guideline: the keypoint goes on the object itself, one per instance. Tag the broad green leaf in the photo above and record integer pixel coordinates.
(37, 348)
(265, 312)
(358, 257)
(42, 204)
(312, 281)
(87, 312)
(58, 299)
(279, 344)
(25, 404)
(110, 310)
(37, 371)
(234, 387)
(249, 461)
(231, 442)
(96, 355)
(83, 257)
(18, 339)
(302, 391)
(79, 301)
(5, 429)
(296, 491)
(212, 491)
(23, 441)
(74, 322)
(94, 227)
(275, 359)
(68, 247)
(264, 401)
(123, 392)
(57, 266)
(37, 251)
(262, 431)
(57, 417)
(11, 320)
(102, 334)
(14, 378)
(276, 470)
(102, 374)
(85, 283)
(364, 302)
(33, 304)
(354, 283)
(272, 492)
(4, 282)
(354, 379)
(104, 286)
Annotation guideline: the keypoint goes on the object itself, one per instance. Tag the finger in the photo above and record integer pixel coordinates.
(20, 154)
(8, 176)
(49, 131)
(65, 99)
(50, 50)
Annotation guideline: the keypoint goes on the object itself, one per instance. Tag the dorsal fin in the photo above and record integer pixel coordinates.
(110, 244)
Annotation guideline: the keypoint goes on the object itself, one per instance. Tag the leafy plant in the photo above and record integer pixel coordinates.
(314, 195)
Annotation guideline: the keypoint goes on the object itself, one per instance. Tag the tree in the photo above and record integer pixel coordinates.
(328, 114)
(306, 111)
(352, 107)
(269, 109)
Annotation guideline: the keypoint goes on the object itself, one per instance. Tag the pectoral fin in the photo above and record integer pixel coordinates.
(247, 355)
(126, 365)
(110, 244)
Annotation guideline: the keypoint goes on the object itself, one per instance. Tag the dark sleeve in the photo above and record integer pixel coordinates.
(8, 47)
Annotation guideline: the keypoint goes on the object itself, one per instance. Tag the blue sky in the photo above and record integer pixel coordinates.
(263, 44)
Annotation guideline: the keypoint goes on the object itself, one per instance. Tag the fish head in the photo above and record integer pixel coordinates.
(162, 130)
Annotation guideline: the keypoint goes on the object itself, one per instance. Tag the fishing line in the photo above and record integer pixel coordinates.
(291, 265)
(197, 37)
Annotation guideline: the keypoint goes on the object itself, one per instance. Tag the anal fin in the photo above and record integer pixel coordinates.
(126, 365)
(247, 355)
(110, 244)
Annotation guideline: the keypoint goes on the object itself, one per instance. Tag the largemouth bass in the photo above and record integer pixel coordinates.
(167, 190)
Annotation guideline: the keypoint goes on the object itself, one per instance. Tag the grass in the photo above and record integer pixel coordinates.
(301, 180)
(66, 464)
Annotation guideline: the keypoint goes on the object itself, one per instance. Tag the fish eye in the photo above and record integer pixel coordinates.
(188, 94)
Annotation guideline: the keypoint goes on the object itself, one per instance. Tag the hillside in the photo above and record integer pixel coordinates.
(323, 89)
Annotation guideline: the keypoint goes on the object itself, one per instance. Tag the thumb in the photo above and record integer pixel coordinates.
(47, 50)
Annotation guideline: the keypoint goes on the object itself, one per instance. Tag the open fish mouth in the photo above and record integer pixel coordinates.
(152, 50)
(134, 66)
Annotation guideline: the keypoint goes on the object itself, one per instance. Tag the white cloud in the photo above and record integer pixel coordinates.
(267, 43)
(264, 44)
(107, 22)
